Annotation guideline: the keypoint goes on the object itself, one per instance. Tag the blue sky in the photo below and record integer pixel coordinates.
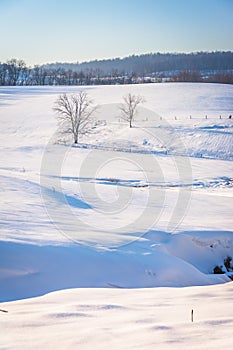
(41, 31)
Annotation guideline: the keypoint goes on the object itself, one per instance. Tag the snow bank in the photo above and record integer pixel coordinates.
(159, 259)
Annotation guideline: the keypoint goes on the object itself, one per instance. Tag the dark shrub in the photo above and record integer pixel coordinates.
(227, 263)
(218, 270)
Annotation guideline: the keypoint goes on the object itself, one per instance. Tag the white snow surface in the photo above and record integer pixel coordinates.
(126, 211)
(157, 318)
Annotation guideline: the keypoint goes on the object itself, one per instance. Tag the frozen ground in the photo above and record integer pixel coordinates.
(144, 207)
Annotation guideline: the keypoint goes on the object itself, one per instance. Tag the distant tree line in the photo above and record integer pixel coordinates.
(155, 63)
(194, 67)
(195, 76)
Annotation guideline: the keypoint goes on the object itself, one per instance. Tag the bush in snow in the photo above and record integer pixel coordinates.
(218, 270)
(227, 263)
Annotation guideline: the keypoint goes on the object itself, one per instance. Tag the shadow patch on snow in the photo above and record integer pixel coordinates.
(161, 328)
(62, 198)
(14, 93)
(219, 322)
(174, 260)
(63, 315)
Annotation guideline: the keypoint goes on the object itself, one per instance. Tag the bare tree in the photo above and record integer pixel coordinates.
(74, 113)
(129, 108)
(3, 74)
(15, 69)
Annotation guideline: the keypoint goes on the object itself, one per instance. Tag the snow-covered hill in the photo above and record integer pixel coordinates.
(144, 207)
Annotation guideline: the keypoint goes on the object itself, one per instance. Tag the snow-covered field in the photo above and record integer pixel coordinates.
(133, 208)
(158, 318)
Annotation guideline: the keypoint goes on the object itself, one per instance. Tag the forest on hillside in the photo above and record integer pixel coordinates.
(153, 67)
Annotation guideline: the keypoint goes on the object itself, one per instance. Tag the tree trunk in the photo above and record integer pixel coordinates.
(75, 139)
